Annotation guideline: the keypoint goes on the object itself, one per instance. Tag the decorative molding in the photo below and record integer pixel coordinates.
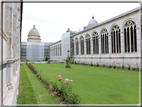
(106, 57)
(10, 61)
(5, 36)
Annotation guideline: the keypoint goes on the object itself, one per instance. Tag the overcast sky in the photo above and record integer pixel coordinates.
(53, 19)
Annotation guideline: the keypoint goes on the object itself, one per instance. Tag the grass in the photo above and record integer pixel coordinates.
(31, 88)
(34, 61)
(96, 85)
(25, 97)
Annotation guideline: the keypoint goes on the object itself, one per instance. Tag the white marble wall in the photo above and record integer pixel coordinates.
(53, 49)
(11, 52)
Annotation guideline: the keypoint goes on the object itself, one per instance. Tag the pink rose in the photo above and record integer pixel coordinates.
(66, 80)
(118, 62)
(71, 80)
(59, 76)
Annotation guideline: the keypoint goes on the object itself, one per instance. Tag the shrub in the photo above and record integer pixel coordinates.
(114, 66)
(133, 68)
(103, 65)
(129, 66)
(110, 66)
(46, 59)
(72, 99)
(123, 66)
(65, 91)
(97, 65)
(137, 66)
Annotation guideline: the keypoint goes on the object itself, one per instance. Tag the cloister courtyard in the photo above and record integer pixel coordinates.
(94, 85)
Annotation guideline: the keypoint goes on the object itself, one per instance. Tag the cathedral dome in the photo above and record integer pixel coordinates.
(34, 32)
(92, 22)
(33, 35)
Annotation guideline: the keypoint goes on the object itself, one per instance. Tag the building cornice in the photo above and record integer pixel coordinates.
(109, 20)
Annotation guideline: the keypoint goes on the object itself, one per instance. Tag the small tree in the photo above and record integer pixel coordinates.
(46, 59)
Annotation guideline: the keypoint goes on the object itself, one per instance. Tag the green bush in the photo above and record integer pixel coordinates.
(65, 91)
(46, 59)
(103, 65)
(110, 66)
(97, 65)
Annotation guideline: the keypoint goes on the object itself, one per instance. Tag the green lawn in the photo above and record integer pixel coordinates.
(31, 90)
(34, 61)
(97, 85)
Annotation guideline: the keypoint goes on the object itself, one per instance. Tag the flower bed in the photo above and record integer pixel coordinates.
(64, 91)
(114, 65)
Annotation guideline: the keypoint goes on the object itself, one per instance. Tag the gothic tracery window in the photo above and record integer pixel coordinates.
(77, 47)
(72, 47)
(82, 45)
(130, 38)
(115, 39)
(88, 48)
(104, 41)
(95, 43)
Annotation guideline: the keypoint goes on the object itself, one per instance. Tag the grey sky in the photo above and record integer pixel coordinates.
(53, 19)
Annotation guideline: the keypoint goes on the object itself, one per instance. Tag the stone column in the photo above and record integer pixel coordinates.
(139, 48)
(74, 48)
(91, 39)
(130, 38)
(9, 68)
(79, 47)
(122, 45)
(109, 45)
(84, 46)
(14, 68)
(99, 46)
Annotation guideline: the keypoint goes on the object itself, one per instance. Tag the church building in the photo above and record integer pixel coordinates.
(115, 40)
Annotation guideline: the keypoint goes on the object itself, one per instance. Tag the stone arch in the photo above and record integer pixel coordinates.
(114, 24)
(115, 39)
(81, 37)
(125, 21)
(130, 36)
(102, 30)
(76, 39)
(87, 36)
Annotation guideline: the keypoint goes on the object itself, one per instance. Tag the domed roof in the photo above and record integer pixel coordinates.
(92, 22)
(34, 31)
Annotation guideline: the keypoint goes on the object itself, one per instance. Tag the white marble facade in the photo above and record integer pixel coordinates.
(94, 53)
(10, 52)
(55, 51)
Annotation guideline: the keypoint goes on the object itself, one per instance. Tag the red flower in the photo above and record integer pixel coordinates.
(47, 84)
(118, 62)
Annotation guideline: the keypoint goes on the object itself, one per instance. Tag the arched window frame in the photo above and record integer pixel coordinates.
(104, 42)
(72, 47)
(130, 37)
(82, 45)
(115, 39)
(77, 46)
(88, 44)
(95, 43)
